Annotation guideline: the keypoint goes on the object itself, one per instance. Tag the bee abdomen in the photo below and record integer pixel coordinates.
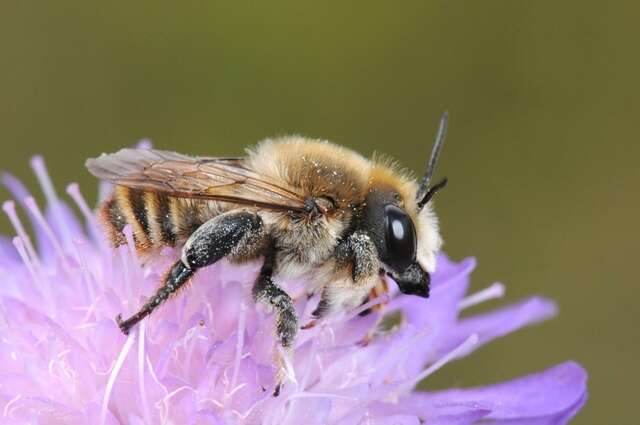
(156, 219)
(140, 211)
(160, 218)
(134, 208)
(114, 220)
(186, 215)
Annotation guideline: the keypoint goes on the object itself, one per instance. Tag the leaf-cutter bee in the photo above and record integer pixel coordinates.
(312, 209)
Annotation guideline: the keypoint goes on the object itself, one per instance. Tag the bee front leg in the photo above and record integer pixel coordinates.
(268, 292)
(236, 233)
(357, 252)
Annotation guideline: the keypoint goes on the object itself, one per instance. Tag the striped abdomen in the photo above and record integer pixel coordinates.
(156, 219)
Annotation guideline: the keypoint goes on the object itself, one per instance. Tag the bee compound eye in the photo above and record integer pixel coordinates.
(400, 238)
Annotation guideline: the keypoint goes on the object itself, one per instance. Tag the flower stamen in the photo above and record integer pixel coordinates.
(494, 291)
(141, 381)
(36, 276)
(40, 170)
(129, 258)
(32, 206)
(87, 276)
(8, 408)
(19, 244)
(382, 299)
(459, 351)
(9, 208)
(239, 344)
(73, 190)
(114, 374)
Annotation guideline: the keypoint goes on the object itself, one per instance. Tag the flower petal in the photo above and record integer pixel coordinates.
(433, 414)
(395, 420)
(549, 397)
(20, 193)
(497, 323)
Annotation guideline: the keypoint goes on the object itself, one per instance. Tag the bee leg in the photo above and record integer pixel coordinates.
(176, 277)
(233, 233)
(366, 268)
(364, 257)
(358, 252)
(321, 310)
(268, 292)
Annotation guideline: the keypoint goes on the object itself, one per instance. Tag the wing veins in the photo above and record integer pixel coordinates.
(220, 179)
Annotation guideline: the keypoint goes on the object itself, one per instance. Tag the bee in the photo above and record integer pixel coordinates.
(312, 209)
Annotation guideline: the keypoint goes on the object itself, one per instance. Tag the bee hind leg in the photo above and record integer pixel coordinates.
(176, 277)
(235, 233)
(265, 290)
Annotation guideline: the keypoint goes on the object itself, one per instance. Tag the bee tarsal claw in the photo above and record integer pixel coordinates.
(309, 325)
(276, 391)
(365, 341)
(124, 327)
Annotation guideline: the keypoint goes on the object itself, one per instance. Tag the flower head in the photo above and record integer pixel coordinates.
(207, 355)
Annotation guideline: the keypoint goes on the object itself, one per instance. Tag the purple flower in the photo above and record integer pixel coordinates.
(207, 356)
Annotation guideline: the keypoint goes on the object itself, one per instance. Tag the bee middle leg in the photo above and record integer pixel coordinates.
(265, 290)
(238, 234)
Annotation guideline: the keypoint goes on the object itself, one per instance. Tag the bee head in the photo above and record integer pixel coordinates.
(394, 234)
(394, 231)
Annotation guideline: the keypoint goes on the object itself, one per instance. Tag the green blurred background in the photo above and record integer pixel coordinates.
(542, 153)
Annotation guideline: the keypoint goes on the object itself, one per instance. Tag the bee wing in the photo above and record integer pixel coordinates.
(221, 179)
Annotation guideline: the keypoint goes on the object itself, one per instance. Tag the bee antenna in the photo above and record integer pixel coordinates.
(432, 191)
(425, 192)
